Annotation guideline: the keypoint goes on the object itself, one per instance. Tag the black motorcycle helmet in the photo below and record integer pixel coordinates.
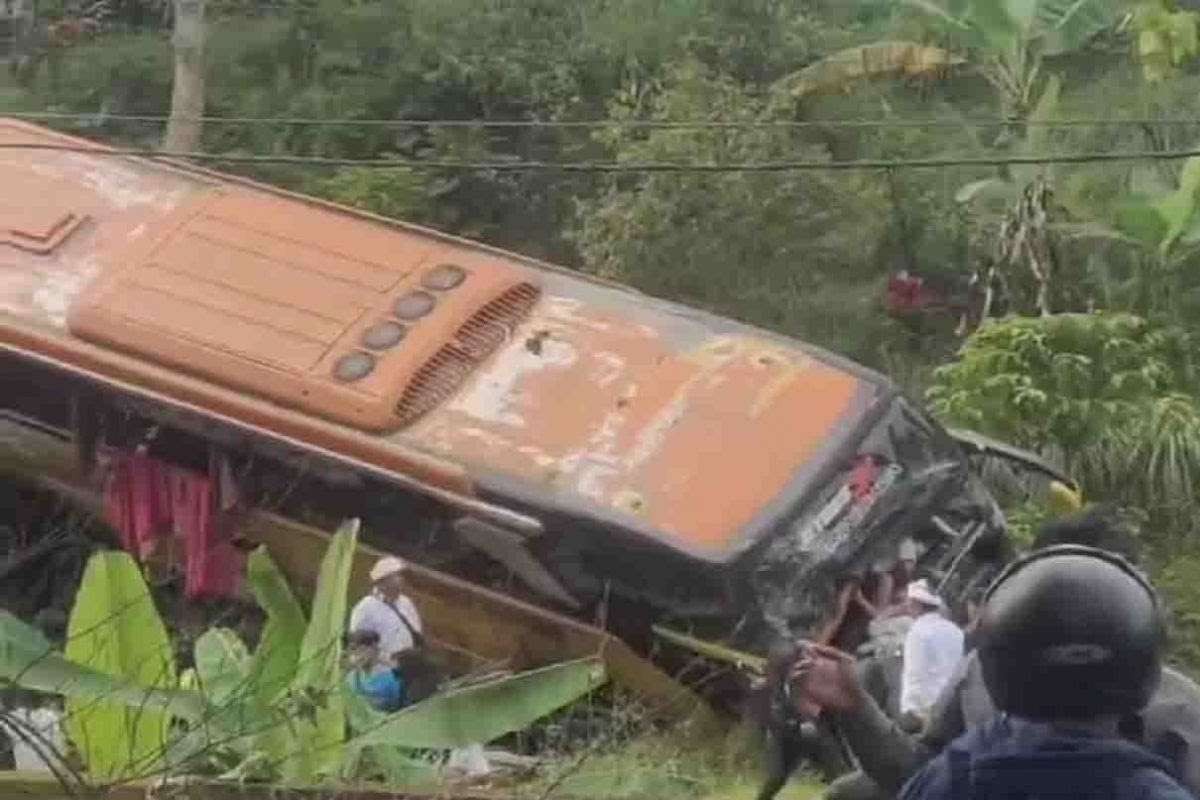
(1070, 632)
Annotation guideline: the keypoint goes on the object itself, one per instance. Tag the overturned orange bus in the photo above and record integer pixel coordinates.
(482, 412)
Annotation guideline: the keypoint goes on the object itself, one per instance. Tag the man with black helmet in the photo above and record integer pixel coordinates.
(888, 756)
(1070, 642)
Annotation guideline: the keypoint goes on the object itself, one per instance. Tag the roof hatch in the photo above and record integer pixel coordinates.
(342, 317)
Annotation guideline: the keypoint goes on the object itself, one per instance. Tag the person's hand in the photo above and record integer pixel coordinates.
(825, 678)
(860, 598)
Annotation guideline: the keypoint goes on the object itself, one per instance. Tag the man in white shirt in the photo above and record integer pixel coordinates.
(387, 610)
(932, 649)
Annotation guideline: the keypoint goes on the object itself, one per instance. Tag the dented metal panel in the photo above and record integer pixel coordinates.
(697, 432)
(686, 432)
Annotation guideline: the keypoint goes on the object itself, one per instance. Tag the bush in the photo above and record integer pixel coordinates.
(788, 250)
(1179, 582)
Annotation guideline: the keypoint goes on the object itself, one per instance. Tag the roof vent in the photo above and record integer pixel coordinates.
(37, 230)
(442, 375)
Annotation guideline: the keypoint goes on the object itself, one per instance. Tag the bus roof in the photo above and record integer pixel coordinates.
(486, 368)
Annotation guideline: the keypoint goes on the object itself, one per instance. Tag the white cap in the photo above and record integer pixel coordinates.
(388, 565)
(908, 550)
(920, 591)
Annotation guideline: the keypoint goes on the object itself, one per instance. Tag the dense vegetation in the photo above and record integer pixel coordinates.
(1111, 394)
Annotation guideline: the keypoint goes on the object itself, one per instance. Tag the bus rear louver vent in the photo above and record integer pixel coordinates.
(477, 338)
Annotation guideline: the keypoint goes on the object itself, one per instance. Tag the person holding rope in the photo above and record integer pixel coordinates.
(888, 756)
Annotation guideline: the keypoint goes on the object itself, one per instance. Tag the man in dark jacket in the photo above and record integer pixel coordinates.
(888, 756)
(1012, 758)
(1071, 643)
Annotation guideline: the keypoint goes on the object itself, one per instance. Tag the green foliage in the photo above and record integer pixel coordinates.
(1166, 37)
(313, 744)
(1154, 462)
(116, 630)
(1062, 382)
(483, 712)
(273, 664)
(665, 764)
(28, 660)
(759, 247)
(1024, 520)
(400, 193)
(222, 665)
(1178, 579)
(1170, 218)
(1111, 395)
(130, 73)
(1011, 39)
(301, 735)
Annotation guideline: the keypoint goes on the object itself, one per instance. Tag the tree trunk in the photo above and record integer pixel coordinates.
(187, 93)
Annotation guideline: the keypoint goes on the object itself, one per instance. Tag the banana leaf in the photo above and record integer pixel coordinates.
(273, 665)
(1179, 207)
(222, 666)
(116, 630)
(321, 647)
(988, 189)
(1069, 24)
(838, 71)
(28, 660)
(396, 766)
(313, 746)
(481, 713)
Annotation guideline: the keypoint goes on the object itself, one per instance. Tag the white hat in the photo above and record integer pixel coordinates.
(388, 565)
(908, 550)
(920, 591)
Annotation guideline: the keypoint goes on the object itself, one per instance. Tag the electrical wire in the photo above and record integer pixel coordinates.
(615, 166)
(93, 118)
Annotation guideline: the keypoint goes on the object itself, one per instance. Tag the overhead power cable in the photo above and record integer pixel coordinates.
(616, 166)
(93, 118)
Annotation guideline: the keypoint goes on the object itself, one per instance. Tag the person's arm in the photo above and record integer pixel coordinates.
(885, 589)
(887, 754)
(358, 616)
(830, 629)
(861, 599)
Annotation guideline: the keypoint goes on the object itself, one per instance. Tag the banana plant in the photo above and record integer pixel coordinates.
(1156, 217)
(115, 629)
(872, 62)
(1166, 37)
(1011, 212)
(280, 712)
(1007, 41)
